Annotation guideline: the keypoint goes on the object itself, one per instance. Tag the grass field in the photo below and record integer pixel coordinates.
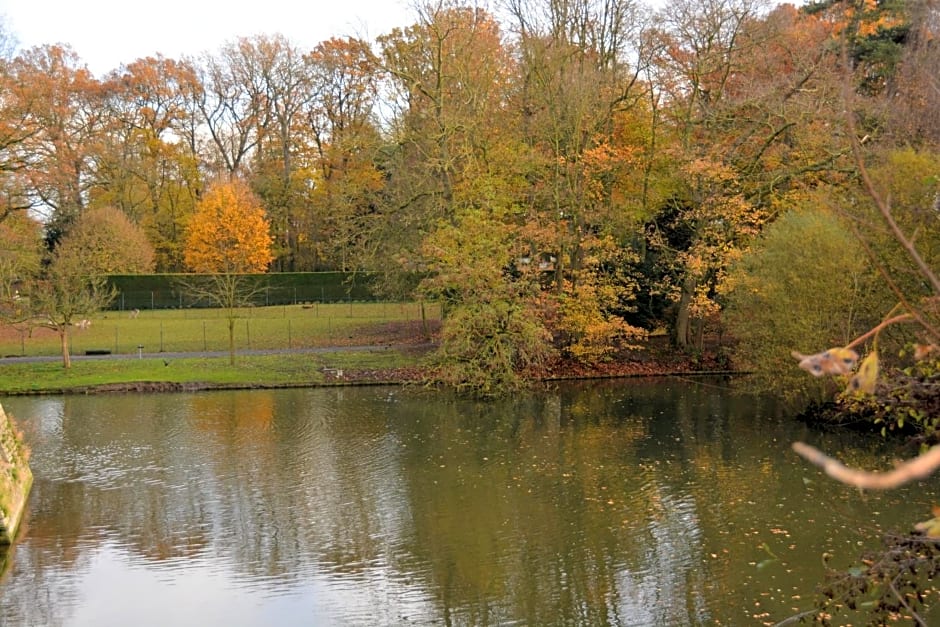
(194, 330)
(286, 369)
(162, 332)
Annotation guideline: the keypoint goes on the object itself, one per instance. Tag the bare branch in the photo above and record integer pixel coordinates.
(920, 467)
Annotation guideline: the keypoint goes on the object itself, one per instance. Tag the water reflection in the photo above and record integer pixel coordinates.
(626, 503)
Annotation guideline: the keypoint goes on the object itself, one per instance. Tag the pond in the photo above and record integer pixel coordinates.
(633, 502)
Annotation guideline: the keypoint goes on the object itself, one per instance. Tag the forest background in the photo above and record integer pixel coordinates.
(565, 176)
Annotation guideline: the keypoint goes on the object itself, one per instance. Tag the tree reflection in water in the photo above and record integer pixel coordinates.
(620, 503)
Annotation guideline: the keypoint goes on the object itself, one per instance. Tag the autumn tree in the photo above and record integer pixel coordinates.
(105, 241)
(343, 127)
(149, 160)
(281, 159)
(231, 109)
(67, 109)
(579, 96)
(228, 237)
(449, 73)
(18, 126)
(751, 107)
(20, 261)
(494, 330)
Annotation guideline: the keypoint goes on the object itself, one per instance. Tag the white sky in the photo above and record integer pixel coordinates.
(107, 33)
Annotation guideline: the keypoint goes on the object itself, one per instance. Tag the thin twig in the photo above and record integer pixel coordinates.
(914, 615)
(920, 467)
(796, 618)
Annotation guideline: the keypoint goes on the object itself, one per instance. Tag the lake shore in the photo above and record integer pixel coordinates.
(381, 362)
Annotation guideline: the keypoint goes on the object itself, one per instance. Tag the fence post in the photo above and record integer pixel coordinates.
(161, 336)
(204, 345)
(289, 346)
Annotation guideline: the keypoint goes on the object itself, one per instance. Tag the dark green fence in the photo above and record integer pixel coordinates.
(168, 291)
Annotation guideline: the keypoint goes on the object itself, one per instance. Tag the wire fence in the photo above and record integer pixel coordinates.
(282, 327)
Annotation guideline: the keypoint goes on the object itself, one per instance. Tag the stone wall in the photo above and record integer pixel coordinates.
(15, 478)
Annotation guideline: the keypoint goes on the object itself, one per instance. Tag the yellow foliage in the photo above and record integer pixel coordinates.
(229, 232)
(866, 378)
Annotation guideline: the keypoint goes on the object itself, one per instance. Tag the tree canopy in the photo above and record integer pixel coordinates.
(228, 232)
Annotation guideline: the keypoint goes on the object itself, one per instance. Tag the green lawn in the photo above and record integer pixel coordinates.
(192, 330)
(253, 370)
(188, 331)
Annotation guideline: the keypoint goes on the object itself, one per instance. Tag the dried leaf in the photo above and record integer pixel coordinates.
(832, 362)
(866, 378)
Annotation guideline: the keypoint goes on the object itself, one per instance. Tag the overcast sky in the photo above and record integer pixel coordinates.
(107, 33)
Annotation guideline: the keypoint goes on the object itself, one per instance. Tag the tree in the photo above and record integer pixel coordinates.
(280, 70)
(20, 254)
(493, 330)
(149, 161)
(229, 232)
(450, 74)
(105, 241)
(229, 236)
(64, 295)
(347, 185)
(806, 283)
(753, 110)
(67, 109)
(579, 101)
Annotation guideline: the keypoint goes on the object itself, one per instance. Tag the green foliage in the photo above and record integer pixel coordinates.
(493, 329)
(906, 399)
(20, 253)
(486, 346)
(806, 284)
(890, 582)
(910, 181)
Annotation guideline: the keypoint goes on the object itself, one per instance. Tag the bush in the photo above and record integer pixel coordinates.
(805, 285)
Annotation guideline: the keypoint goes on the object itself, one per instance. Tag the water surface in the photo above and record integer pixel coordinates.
(659, 502)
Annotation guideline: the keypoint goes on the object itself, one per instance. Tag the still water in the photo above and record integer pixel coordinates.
(658, 502)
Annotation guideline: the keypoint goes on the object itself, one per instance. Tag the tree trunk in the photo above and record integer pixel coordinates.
(231, 340)
(682, 329)
(64, 340)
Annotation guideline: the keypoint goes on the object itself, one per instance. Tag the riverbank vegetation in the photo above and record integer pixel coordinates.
(563, 177)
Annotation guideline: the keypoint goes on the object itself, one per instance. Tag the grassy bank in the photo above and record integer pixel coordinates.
(161, 333)
(283, 369)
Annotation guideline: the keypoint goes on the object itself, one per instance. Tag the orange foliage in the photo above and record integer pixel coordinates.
(229, 232)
